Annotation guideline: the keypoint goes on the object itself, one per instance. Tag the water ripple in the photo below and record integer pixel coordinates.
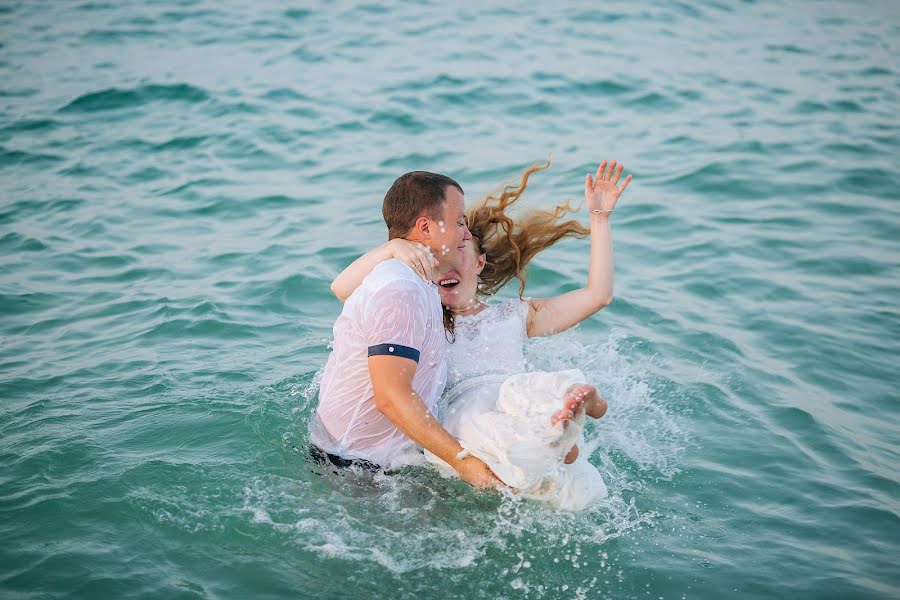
(182, 181)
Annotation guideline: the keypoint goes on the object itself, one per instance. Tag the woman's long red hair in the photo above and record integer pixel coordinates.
(509, 244)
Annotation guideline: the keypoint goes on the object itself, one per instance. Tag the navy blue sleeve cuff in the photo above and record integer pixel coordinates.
(394, 350)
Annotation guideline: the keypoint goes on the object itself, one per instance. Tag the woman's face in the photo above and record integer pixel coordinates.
(458, 286)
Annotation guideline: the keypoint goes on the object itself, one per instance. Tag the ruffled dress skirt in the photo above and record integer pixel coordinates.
(505, 421)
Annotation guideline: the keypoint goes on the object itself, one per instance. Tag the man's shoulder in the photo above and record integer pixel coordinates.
(393, 269)
(393, 281)
(393, 274)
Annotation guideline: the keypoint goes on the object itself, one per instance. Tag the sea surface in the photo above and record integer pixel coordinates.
(180, 181)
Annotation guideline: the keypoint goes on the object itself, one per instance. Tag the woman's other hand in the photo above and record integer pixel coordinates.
(601, 191)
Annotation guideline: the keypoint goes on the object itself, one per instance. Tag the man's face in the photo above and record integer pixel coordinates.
(450, 233)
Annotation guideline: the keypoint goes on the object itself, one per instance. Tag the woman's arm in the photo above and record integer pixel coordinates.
(552, 315)
(417, 256)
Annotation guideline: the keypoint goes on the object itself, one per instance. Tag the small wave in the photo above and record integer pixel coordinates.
(537, 109)
(870, 180)
(812, 107)
(80, 169)
(203, 182)
(185, 142)
(398, 120)
(147, 174)
(307, 55)
(476, 97)
(415, 160)
(107, 36)
(221, 109)
(19, 304)
(297, 14)
(115, 98)
(134, 274)
(655, 101)
(24, 208)
(285, 94)
(787, 49)
(15, 242)
(30, 125)
(15, 158)
(178, 16)
(876, 72)
(178, 329)
(18, 93)
(601, 87)
(95, 6)
(438, 82)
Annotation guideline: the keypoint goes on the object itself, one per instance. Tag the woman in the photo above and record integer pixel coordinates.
(524, 425)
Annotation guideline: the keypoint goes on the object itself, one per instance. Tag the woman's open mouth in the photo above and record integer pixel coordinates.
(448, 282)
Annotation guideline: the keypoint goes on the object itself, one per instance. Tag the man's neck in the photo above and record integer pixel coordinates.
(412, 237)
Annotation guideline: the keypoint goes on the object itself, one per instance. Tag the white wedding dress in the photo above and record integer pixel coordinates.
(501, 413)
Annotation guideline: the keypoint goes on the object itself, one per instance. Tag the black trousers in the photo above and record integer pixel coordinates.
(326, 459)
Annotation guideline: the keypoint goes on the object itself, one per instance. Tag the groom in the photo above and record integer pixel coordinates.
(385, 376)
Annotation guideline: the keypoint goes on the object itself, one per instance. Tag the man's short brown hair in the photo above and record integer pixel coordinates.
(412, 195)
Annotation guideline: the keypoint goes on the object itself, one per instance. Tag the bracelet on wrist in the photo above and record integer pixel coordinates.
(600, 212)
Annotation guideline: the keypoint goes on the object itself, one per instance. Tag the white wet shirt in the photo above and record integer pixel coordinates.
(393, 312)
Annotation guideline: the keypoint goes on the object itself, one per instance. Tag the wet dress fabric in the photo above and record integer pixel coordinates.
(501, 413)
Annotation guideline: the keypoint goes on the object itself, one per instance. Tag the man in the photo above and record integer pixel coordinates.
(384, 378)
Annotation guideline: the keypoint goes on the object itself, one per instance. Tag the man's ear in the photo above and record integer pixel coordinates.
(422, 227)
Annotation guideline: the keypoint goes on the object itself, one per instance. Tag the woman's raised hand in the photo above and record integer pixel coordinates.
(418, 256)
(601, 191)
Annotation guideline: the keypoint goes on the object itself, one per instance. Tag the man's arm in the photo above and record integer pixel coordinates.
(392, 378)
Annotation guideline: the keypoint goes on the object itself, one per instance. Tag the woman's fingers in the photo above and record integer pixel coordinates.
(418, 268)
(605, 184)
(618, 173)
(428, 261)
(414, 256)
(612, 167)
(417, 256)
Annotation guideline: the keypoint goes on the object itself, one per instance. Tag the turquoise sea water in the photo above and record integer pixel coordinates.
(180, 181)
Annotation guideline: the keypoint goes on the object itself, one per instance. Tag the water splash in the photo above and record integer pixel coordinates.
(416, 519)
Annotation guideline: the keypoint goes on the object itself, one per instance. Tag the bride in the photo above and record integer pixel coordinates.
(526, 426)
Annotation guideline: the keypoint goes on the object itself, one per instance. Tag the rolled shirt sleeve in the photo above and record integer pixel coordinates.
(395, 321)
